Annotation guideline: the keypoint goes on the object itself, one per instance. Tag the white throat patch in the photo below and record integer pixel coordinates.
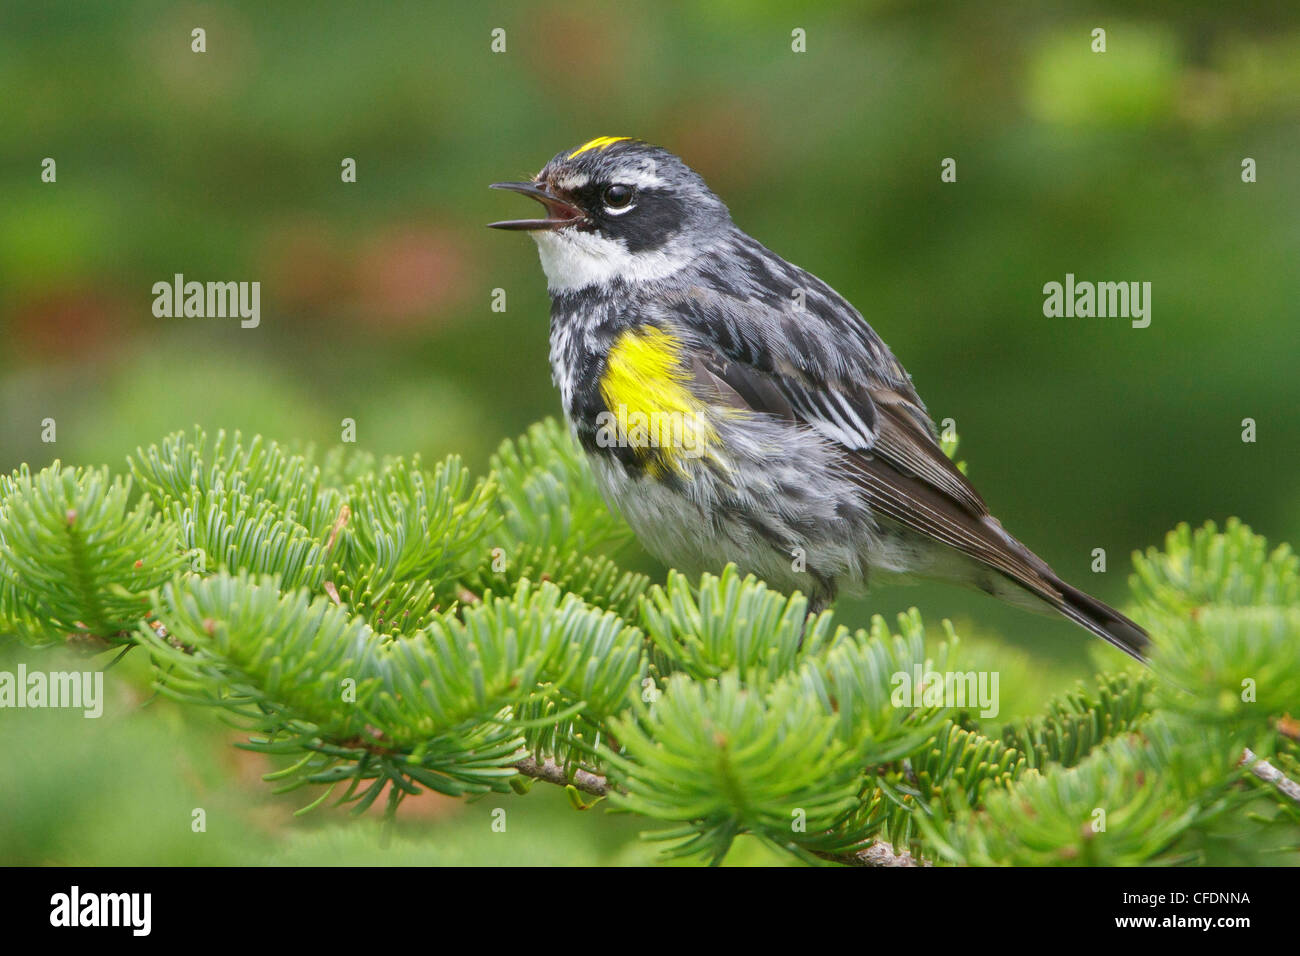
(575, 260)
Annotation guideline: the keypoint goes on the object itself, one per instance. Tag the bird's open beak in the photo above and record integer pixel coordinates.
(559, 213)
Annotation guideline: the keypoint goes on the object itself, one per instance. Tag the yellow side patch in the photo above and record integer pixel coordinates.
(650, 405)
(600, 142)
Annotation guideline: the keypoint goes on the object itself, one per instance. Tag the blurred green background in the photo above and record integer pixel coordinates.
(376, 295)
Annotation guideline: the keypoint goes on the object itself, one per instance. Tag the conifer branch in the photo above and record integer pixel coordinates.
(548, 771)
(1270, 774)
(383, 628)
(876, 854)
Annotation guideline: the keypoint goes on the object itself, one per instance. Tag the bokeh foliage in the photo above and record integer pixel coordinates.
(376, 295)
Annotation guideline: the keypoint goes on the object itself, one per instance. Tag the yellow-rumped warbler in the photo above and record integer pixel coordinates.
(736, 408)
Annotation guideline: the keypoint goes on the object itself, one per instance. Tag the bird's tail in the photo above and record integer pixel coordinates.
(1102, 619)
(1032, 574)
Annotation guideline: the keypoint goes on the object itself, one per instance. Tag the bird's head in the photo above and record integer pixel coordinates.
(618, 208)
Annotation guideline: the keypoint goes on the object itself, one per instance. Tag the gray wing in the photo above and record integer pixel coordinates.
(825, 368)
(822, 366)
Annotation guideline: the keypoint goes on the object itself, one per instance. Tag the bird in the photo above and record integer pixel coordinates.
(734, 408)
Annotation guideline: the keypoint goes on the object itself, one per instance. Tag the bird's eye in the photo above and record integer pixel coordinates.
(618, 196)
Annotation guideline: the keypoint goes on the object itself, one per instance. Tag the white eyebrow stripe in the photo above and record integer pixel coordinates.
(573, 181)
(641, 178)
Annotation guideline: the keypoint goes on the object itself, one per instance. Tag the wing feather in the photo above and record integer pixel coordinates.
(825, 368)
(888, 440)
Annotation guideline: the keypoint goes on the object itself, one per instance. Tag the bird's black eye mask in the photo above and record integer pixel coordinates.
(648, 218)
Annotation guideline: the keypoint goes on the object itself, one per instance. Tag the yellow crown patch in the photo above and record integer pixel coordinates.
(600, 142)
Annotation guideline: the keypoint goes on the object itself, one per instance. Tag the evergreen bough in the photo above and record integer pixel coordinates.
(382, 628)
